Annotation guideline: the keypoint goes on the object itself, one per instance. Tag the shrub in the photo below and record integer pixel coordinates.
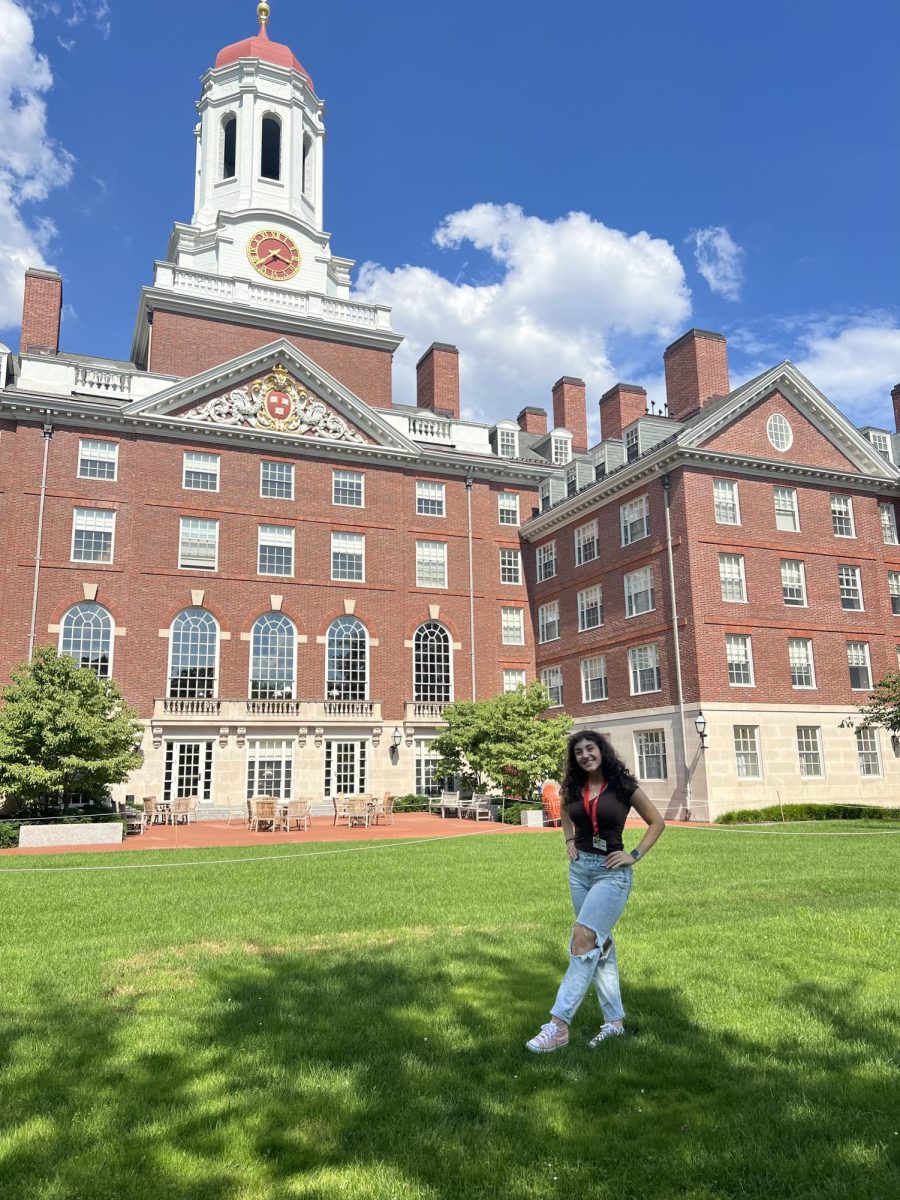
(510, 815)
(807, 812)
(9, 835)
(410, 803)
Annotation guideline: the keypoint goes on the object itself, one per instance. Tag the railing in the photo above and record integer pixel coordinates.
(193, 706)
(102, 382)
(349, 314)
(426, 710)
(349, 708)
(429, 427)
(274, 708)
(282, 710)
(196, 281)
(277, 298)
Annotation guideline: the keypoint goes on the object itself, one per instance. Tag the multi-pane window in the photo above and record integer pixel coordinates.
(345, 768)
(188, 770)
(590, 608)
(842, 517)
(347, 660)
(888, 515)
(512, 626)
(347, 488)
(650, 754)
(779, 432)
(787, 515)
(867, 751)
(594, 685)
(850, 585)
(548, 622)
(860, 666)
(429, 499)
(507, 443)
(731, 578)
(739, 653)
(632, 443)
(546, 561)
(508, 508)
(193, 654)
(428, 783)
(894, 591)
(273, 642)
(643, 663)
(431, 564)
(639, 594)
(746, 751)
(270, 767)
(201, 471)
(276, 550)
(348, 556)
(276, 480)
(198, 543)
(560, 450)
(93, 533)
(793, 582)
(881, 442)
(432, 679)
(86, 635)
(513, 679)
(98, 459)
(800, 657)
(725, 498)
(634, 520)
(587, 547)
(809, 751)
(551, 678)
(510, 566)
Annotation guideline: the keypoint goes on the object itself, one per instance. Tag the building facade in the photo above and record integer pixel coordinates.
(290, 575)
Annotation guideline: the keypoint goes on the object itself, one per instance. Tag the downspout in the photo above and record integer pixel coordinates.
(48, 434)
(667, 484)
(471, 584)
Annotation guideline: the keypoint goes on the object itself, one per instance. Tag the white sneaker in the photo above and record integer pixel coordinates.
(608, 1030)
(550, 1038)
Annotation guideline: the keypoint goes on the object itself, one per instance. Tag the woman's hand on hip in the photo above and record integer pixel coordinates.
(618, 858)
(572, 852)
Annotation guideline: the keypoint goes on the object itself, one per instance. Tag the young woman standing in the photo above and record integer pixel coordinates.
(597, 794)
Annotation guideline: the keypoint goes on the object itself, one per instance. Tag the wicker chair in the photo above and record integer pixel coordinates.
(265, 809)
(297, 810)
(359, 809)
(340, 808)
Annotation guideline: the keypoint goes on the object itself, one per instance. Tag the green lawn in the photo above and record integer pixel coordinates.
(350, 1023)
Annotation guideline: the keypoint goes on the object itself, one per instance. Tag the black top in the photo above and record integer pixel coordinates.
(612, 809)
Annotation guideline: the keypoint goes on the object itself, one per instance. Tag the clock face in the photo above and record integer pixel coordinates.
(274, 254)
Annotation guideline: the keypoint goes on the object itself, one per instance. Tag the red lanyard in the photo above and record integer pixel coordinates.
(592, 812)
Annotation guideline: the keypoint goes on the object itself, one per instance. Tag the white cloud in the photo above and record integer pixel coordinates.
(569, 291)
(719, 260)
(32, 164)
(855, 366)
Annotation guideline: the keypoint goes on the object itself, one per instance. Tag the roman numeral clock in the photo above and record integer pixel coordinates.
(273, 254)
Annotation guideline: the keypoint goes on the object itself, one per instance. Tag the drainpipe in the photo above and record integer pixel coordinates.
(471, 584)
(48, 434)
(667, 484)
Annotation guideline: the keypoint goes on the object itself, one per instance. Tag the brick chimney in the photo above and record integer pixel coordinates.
(437, 379)
(533, 420)
(696, 369)
(570, 410)
(895, 396)
(41, 311)
(622, 404)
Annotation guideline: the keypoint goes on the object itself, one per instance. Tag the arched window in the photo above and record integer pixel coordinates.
(272, 658)
(193, 654)
(307, 165)
(85, 634)
(347, 674)
(270, 155)
(229, 145)
(432, 677)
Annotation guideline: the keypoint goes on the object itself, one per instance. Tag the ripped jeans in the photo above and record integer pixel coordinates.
(598, 897)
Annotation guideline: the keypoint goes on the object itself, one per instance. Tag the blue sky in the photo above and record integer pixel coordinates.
(558, 189)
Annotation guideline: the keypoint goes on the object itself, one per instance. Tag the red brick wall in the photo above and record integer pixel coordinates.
(622, 404)
(185, 345)
(748, 436)
(533, 420)
(41, 311)
(570, 410)
(696, 368)
(437, 379)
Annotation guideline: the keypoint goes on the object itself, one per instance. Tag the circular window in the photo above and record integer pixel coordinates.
(780, 433)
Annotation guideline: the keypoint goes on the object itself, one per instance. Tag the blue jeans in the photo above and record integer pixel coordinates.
(598, 897)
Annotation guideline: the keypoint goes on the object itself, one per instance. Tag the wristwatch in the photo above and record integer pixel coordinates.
(635, 854)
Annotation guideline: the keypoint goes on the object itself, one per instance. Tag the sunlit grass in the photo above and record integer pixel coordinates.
(351, 1024)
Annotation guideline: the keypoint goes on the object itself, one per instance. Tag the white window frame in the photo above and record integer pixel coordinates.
(809, 752)
(637, 665)
(514, 678)
(804, 661)
(512, 631)
(548, 622)
(507, 443)
(587, 601)
(545, 559)
(634, 520)
(593, 672)
(786, 512)
(850, 588)
(639, 584)
(279, 750)
(790, 562)
(894, 592)
(779, 432)
(867, 664)
(280, 537)
(201, 462)
(430, 492)
(842, 511)
(342, 479)
(747, 751)
(358, 552)
(105, 452)
(650, 744)
(729, 580)
(560, 449)
(508, 505)
(587, 543)
(510, 567)
(88, 520)
(551, 678)
(730, 502)
(739, 655)
(193, 566)
(287, 468)
(888, 517)
(870, 752)
(427, 559)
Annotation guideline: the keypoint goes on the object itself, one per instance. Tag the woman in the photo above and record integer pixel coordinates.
(597, 793)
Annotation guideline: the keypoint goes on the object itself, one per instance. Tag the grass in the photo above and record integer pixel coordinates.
(350, 1023)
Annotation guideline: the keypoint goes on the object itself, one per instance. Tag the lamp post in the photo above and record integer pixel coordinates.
(396, 741)
(700, 726)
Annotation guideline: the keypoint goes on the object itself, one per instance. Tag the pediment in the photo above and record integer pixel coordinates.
(276, 390)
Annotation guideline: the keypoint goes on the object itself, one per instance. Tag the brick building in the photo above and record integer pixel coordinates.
(290, 575)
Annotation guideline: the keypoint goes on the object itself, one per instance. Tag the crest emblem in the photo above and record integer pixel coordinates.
(278, 405)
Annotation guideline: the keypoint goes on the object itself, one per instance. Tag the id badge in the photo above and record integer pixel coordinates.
(599, 844)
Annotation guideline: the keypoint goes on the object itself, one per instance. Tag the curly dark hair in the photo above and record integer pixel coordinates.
(618, 777)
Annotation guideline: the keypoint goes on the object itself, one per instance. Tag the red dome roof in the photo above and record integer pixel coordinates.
(267, 51)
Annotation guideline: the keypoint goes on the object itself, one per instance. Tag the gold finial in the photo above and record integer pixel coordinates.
(262, 11)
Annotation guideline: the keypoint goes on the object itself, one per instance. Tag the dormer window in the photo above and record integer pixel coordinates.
(881, 442)
(229, 146)
(632, 443)
(270, 153)
(507, 442)
(560, 449)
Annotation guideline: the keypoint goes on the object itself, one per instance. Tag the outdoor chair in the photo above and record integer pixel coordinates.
(551, 803)
(340, 807)
(298, 811)
(154, 813)
(182, 807)
(358, 810)
(479, 807)
(449, 803)
(135, 820)
(239, 809)
(384, 808)
(263, 809)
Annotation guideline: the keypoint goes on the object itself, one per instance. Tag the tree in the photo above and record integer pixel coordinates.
(63, 732)
(883, 706)
(503, 742)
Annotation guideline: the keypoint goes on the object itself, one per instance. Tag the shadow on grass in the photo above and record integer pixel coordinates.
(345, 1072)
